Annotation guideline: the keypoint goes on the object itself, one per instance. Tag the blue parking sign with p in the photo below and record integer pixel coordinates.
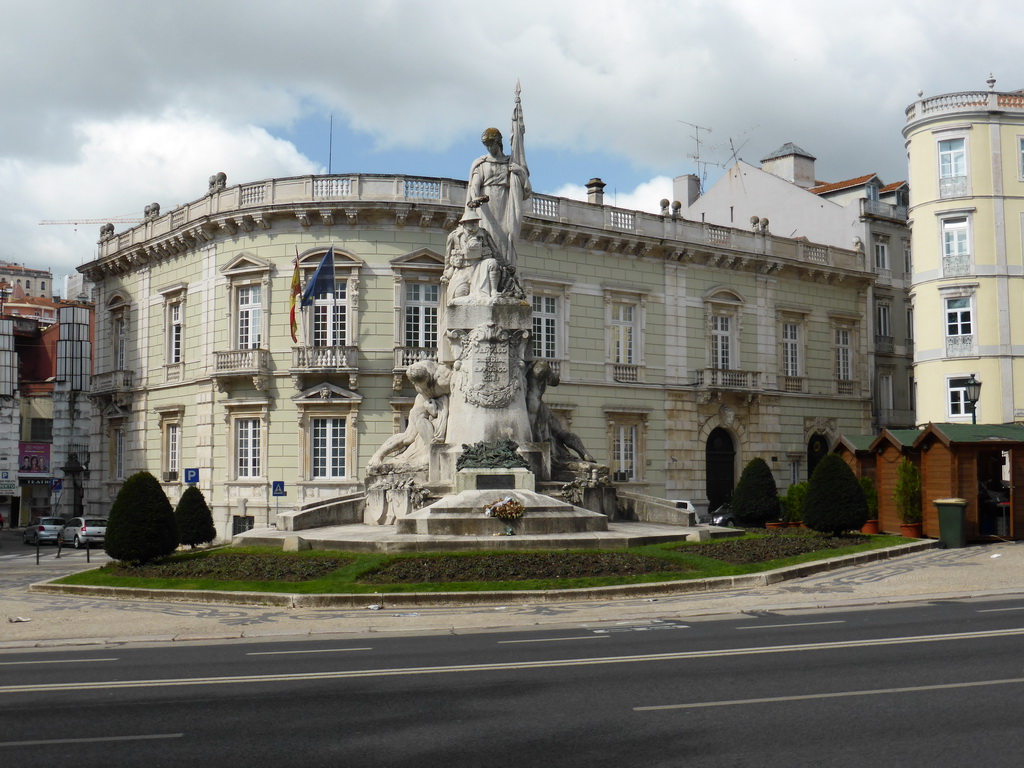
(278, 488)
(192, 476)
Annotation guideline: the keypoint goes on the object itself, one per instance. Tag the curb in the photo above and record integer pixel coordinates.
(456, 599)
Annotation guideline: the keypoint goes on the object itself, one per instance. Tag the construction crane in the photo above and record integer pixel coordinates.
(76, 222)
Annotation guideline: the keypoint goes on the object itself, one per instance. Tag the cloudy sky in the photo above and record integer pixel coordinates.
(110, 104)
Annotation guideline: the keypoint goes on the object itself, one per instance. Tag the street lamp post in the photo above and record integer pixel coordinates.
(973, 390)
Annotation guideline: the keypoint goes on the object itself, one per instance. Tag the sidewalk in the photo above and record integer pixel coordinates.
(55, 619)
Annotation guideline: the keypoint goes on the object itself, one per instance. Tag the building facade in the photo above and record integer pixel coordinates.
(683, 349)
(966, 154)
(863, 213)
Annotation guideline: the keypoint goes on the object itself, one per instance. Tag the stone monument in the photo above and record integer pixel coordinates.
(485, 387)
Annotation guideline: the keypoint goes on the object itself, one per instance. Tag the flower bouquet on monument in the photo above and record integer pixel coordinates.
(506, 509)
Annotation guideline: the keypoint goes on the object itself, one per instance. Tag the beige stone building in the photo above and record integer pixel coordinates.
(684, 349)
(966, 153)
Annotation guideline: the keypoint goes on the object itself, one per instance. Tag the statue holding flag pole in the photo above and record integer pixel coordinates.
(499, 186)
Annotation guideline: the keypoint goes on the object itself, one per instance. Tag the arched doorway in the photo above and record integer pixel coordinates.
(817, 447)
(720, 463)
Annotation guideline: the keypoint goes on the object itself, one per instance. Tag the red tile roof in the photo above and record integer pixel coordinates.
(837, 185)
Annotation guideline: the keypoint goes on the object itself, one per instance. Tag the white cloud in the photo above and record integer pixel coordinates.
(645, 197)
(121, 167)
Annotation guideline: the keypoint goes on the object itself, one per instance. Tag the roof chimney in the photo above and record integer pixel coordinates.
(595, 191)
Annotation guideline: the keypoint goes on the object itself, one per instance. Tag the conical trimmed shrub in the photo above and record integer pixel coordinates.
(195, 521)
(835, 500)
(755, 499)
(141, 525)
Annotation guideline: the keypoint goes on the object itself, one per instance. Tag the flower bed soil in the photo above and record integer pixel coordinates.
(236, 566)
(773, 546)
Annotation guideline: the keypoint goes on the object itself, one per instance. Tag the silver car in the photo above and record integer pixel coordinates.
(84, 531)
(43, 529)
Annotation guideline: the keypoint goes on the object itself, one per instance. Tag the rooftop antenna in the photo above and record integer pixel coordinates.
(702, 168)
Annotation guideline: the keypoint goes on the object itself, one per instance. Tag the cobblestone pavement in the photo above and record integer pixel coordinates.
(35, 620)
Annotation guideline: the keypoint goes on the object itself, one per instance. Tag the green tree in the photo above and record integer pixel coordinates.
(755, 499)
(907, 491)
(141, 527)
(870, 495)
(194, 519)
(793, 501)
(835, 501)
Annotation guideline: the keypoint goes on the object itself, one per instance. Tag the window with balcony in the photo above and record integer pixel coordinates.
(791, 352)
(883, 328)
(330, 317)
(844, 360)
(956, 250)
(545, 327)
(118, 446)
(881, 254)
(959, 327)
(120, 323)
(953, 168)
(908, 259)
(174, 329)
(421, 315)
(721, 351)
(249, 317)
(624, 323)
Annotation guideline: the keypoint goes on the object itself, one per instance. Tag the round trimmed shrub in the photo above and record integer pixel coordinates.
(141, 527)
(755, 499)
(194, 519)
(835, 500)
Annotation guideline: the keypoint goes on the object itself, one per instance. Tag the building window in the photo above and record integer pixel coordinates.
(250, 316)
(885, 392)
(622, 332)
(545, 327)
(174, 333)
(247, 447)
(952, 168)
(330, 317)
(908, 259)
(959, 327)
(721, 342)
(626, 436)
(172, 451)
(327, 448)
(624, 453)
(791, 349)
(42, 288)
(910, 323)
(1020, 155)
(844, 355)
(421, 312)
(28, 285)
(957, 402)
(881, 254)
(118, 450)
(872, 192)
(882, 319)
(41, 430)
(956, 251)
(120, 343)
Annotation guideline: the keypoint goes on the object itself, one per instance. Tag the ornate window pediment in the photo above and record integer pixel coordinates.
(327, 393)
(246, 265)
(423, 259)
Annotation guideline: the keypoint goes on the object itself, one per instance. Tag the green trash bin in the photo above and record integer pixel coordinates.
(951, 522)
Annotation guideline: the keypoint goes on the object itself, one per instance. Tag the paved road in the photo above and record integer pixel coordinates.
(830, 687)
(993, 569)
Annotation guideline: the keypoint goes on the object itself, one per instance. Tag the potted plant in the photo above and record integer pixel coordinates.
(871, 496)
(907, 495)
(793, 503)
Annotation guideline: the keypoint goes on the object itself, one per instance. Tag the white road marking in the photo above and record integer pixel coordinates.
(50, 661)
(1000, 610)
(321, 650)
(836, 695)
(505, 666)
(552, 639)
(799, 624)
(47, 742)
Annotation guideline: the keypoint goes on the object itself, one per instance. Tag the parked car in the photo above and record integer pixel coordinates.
(43, 529)
(84, 531)
(723, 516)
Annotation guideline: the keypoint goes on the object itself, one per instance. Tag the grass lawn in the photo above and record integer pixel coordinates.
(255, 569)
